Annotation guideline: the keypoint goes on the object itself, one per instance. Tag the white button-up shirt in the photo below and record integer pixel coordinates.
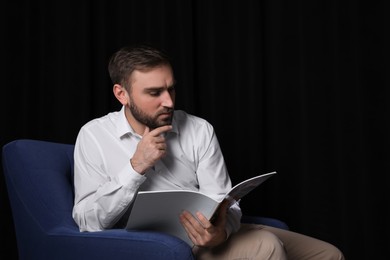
(105, 182)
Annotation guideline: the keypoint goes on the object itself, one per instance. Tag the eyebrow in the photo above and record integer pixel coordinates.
(159, 88)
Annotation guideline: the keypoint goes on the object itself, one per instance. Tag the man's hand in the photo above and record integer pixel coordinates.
(204, 233)
(150, 149)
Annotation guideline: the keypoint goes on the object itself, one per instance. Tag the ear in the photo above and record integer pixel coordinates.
(121, 94)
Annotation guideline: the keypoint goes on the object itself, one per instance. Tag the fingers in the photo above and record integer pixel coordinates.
(188, 224)
(156, 137)
(150, 149)
(194, 229)
(203, 221)
(159, 130)
(146, 131)
(201, 231)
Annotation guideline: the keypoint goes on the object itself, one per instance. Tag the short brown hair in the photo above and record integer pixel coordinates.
(135, 57)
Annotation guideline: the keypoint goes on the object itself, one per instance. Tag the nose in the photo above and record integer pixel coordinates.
(167, 99)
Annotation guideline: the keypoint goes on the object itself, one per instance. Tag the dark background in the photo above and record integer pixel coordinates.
(300, 87)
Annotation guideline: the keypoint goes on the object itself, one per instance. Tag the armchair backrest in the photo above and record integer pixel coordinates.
(39, 178)
(43, 174)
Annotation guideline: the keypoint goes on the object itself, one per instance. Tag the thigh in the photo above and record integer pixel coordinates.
(299, 246)
(250, 242)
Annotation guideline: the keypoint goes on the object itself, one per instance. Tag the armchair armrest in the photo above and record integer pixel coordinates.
(68, 243)
(264, 221)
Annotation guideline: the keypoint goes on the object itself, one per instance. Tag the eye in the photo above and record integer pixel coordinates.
(155, 93)
(171, 89)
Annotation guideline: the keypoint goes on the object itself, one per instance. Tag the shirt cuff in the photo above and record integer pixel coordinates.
(128, 177)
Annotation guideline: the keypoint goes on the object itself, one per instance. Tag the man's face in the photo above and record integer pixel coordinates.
(152, 96)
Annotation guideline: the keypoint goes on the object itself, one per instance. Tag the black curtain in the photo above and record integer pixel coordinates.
(300, 87)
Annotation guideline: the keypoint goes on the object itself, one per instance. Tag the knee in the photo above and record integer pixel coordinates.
(328, 252)
(268, 246)
(333, 253)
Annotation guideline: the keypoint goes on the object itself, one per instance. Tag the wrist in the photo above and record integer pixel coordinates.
(138, 167)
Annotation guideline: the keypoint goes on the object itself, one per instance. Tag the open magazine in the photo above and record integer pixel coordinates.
(160, 210)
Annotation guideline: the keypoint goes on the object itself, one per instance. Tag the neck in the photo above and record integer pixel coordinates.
(137, 126)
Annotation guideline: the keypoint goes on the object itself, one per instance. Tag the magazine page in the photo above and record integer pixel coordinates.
(160, 210)
(243, 188)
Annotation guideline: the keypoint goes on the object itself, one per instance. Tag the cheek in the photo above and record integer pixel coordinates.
(150, 105)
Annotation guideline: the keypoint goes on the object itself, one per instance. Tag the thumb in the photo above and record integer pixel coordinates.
(225, 205)
(222, 211)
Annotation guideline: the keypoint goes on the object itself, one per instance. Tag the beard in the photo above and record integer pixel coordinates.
(151, 121)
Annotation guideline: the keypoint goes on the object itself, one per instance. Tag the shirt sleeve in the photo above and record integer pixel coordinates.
(233, 222)
(213, 176)
(100, 199)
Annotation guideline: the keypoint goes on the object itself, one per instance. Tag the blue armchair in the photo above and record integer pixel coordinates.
(39, 178)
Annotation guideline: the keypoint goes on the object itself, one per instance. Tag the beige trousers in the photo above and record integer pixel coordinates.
(263, 242)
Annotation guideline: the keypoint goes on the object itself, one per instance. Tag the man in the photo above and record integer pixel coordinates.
(148, 145)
